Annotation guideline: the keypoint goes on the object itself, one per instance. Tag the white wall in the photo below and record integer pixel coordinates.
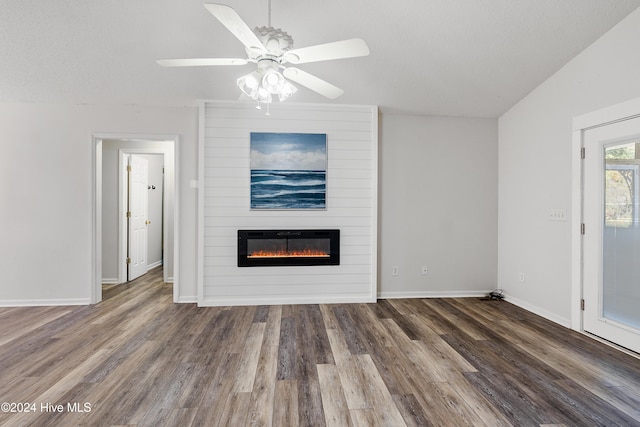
(45, 195)
(55, 142)
(535, 167)
(351, 205)
(438, 192)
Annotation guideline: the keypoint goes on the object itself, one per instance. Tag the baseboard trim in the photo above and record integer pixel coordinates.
(539, 311)
(44, 302)
(154, 265)
(432, 294)
(188, 299)
(109, 281)
(284, 300)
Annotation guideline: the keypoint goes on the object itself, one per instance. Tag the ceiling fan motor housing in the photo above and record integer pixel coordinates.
(275, 40)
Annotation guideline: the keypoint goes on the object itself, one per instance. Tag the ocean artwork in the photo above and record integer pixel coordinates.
(288, 171)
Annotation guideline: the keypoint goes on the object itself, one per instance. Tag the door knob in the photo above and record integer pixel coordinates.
(147, 222)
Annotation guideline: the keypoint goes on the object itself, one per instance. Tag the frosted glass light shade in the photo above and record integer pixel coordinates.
(263, 96)
(250, 84)
(286, 91)
(273, 82)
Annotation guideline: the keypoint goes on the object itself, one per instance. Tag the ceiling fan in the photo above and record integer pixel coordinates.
(272, 49)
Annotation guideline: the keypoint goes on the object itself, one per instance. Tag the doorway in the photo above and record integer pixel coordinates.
(110, 203)
(611, 230)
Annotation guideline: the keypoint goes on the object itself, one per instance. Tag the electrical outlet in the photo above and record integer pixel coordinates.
(521, 277)
(395, 270)
(425, 271)
(557, 215)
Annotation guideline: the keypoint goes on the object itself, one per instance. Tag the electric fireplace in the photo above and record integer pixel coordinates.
(270, 248)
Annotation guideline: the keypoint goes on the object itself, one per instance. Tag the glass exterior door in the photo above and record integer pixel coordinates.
(612, 233)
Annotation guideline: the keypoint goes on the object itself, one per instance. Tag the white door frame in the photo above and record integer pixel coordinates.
(95, 284)
(615, 113)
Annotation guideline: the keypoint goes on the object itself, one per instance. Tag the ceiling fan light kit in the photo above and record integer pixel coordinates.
(266, 81)
(271, 49)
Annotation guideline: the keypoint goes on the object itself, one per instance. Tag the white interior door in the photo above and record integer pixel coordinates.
(611, 242)
(138, 215)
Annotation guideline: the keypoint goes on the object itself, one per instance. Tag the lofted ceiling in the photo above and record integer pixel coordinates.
(473, 58)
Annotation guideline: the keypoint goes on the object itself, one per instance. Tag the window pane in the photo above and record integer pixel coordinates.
(621, 236)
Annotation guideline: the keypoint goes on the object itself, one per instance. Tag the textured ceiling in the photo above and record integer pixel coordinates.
(437, 57)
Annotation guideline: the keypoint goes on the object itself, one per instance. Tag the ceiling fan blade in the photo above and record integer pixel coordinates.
(230, 19)
(200, 62)
(324, 52)
(312, 82)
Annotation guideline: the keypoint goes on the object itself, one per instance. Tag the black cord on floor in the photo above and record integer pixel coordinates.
(497, 294)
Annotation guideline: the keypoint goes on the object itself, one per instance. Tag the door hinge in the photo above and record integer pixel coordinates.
(128, 214)
(582, 304)
(128, 168)
(582, 153)
(582, 228)
(128, 260)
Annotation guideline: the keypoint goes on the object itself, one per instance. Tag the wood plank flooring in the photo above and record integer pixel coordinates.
(137, 359)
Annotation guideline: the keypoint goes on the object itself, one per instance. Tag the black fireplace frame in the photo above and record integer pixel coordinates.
(245, 235)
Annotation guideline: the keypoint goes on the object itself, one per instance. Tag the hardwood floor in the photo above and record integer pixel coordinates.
(137, 359)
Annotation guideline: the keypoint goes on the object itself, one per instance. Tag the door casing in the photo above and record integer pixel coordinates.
(95, 285)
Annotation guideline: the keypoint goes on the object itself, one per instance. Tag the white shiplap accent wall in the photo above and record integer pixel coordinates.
(352, 142)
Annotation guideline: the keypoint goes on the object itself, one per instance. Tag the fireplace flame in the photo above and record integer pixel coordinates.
(289, 254)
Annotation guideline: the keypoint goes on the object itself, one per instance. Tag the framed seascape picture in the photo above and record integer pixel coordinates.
(288, 170)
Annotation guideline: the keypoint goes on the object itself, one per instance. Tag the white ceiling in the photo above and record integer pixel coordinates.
(438, 57)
